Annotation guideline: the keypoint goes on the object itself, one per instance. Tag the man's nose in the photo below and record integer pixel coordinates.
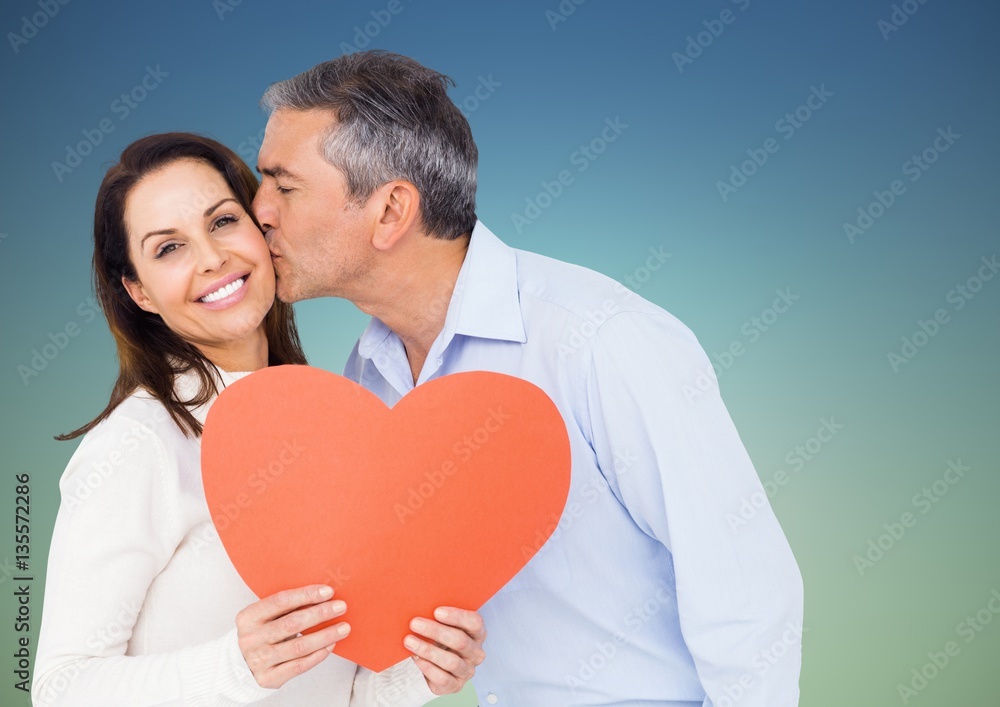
(265, 214)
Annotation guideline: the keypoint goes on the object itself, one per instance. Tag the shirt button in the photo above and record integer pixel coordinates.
(492, 699)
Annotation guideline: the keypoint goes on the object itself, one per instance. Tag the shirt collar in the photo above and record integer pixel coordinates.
(484, 304)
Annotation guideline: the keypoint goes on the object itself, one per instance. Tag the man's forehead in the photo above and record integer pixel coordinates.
(287, 125)
(292, 134)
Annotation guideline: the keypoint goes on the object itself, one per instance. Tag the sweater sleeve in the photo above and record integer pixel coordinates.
(117, 527)
(401, 685)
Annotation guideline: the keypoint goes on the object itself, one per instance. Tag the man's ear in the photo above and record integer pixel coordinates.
(138, 295)
(399, 204)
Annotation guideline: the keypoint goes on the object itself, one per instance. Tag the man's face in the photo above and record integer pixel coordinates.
(320, 241)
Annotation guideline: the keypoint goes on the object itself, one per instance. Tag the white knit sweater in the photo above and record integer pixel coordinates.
(140, 596)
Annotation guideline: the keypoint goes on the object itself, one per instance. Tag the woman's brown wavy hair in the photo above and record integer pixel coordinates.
(149, 353)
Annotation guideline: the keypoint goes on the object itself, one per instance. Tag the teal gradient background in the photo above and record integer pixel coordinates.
(654, 187)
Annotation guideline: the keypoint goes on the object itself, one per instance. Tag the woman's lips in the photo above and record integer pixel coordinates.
(228, 300)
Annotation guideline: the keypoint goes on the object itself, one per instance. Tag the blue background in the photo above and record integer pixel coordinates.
(560, 76)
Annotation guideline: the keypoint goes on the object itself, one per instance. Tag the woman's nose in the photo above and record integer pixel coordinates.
(211, 256)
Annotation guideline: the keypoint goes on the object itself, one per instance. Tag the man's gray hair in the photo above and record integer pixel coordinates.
(393, 120)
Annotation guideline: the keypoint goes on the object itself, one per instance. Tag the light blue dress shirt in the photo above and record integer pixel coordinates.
(647, 593)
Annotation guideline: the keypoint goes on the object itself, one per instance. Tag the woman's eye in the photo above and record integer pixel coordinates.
(224, 221)
(166, 248)
(282, 190)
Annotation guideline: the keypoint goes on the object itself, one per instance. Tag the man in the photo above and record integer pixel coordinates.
(644, 595)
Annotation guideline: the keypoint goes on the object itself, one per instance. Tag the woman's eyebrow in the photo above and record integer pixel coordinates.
(161, 232)
(210, 209)
(172, 231)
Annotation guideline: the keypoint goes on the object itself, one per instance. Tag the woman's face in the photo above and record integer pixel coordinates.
(200, 261)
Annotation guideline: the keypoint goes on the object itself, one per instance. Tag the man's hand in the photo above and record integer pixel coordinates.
(455, 647)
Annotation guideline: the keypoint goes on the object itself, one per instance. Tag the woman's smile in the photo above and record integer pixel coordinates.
(229, 292)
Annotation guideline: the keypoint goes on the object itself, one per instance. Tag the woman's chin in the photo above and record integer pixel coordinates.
(232, 328)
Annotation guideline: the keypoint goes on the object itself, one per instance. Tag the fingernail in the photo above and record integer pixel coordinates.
(418, 624)
(344, 629)
(338, 607)
(326, 592)
(411, 643)
(441, 614)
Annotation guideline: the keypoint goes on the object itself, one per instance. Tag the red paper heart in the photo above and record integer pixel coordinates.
(311, 479)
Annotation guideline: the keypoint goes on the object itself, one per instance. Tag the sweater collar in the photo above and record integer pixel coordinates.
(187, 385)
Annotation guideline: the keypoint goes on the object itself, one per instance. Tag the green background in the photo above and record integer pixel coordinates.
(656, 186)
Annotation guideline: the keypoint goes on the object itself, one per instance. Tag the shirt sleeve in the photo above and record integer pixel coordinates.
(402, 685)
(682, 472)
(117, 527)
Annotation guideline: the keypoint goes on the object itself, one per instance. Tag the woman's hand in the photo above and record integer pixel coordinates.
(269, 631)
(449, 660)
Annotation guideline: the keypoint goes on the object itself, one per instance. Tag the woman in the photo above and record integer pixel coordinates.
(142, 605)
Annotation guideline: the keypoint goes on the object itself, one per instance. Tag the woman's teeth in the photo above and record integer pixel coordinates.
(224, 291)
